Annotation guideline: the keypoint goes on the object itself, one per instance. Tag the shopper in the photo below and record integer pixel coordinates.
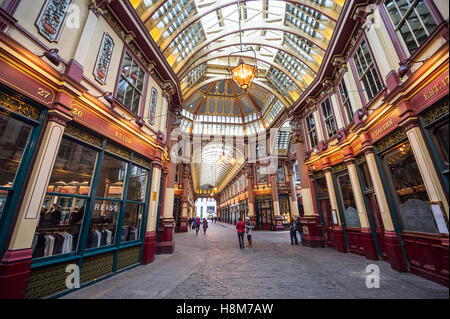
(205, 226)
(293, 231)
(197, 225)
(240, 227)
(299, 229)
(248, 229)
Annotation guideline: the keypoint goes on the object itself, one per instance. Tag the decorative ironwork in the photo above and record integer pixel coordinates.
(117, 150)
(152, 108)
(390, 140)
(141, 161)
(104, 58)
(96, 267)
(436, 112)
(319, 174)
(19, 107)
(82, 135)
(128, 257)
(339, 168)
(361, 158)
(52, 19)
(47, 281)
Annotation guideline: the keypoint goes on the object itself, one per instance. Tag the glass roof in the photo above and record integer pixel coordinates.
(201, 40)
(197, 37)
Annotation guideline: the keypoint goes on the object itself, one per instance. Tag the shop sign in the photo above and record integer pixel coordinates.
(336, 158)
(432, 92)
(386, 126)
(106, 207)
(26, 84)
(356, 147)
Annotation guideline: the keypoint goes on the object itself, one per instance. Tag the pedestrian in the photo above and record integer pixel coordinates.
(240, 227)
(299, 229)
(197, 225)
(190, 222)
(205, 226)
(248, 229)
(293, 231)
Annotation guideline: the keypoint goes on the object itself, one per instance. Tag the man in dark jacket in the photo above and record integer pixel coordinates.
(299, 229)
(293, 231)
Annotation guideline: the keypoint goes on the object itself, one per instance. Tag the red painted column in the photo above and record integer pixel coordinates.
(278, 220)
(15, 270)
(149, 249)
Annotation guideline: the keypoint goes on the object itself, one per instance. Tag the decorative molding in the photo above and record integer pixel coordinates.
(104, 58)
(82, 135)
(390, 140)
(339, 168)
(117, 150)
(152, 106)
(436, 112)
(141, 161)
(19, 107)
(52, 18)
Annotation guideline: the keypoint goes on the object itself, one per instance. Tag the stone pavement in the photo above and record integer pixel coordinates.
(213, 266)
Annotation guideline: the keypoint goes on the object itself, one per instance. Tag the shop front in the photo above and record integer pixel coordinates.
(94, 212)
(285, 210)
(264, 212)
(21, 124)
(324, 208)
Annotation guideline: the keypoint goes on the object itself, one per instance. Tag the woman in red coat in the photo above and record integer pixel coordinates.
(240, 226)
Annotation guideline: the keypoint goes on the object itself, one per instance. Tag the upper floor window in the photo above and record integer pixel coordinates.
(412, 21)
(280, 173)
(129, 91)
(346, 105)
(328, 118)
(311, 128)
(366, 71)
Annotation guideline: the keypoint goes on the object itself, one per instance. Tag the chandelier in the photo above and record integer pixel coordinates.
(243, 73)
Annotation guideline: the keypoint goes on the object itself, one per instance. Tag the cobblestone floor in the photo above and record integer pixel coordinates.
(213, 266)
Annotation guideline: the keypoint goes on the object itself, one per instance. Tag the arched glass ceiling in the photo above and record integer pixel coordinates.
(196, 36)
(222, 108)
(208, 172)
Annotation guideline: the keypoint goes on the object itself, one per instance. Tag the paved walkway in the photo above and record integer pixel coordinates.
(213, 266)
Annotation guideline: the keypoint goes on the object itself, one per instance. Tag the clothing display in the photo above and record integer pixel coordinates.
(99, 237)
(50, 244)
(129, 233)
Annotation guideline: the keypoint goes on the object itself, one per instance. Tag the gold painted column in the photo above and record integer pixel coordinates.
(311, 225)
(293, 193)
(148, 251)
(424, 161)
(367, 237)
(390, 237)
(251, 198)
(15, 265)
(182, 227)
(338, 228)
(277, 219)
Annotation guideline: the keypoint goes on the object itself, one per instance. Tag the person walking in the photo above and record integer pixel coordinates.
(190, 222)
(299, 229)
(197, 225)
(205, 226)
(240, 227)
(293, 231)
(248, 229)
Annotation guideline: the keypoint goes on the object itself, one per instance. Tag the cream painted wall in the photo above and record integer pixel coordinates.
(337, 111)
(152, 83)
(352, 90)
(443, 7)
(27, 14)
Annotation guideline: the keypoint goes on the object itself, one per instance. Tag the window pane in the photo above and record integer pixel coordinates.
(112, 177)
(137, 183)
(348, 201)
(442, 136)
(59, 226)
(73, 169)
(410, 194)
(103, 223)
(13, 140)
(132, 222)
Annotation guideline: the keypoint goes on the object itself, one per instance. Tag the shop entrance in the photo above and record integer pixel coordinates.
(325, 210)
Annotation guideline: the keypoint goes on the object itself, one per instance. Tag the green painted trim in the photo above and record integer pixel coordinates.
(340, 208)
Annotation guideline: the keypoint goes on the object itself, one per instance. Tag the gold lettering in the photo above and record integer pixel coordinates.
(45, 94)
(77, 112)
(383, 127)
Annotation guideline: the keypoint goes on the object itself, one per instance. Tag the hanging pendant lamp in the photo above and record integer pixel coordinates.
(243, 73)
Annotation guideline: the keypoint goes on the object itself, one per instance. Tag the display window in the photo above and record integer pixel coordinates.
(409, 192)
(348, 200)
(88, 182)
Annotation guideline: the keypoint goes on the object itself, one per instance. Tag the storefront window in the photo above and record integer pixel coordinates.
(410, 194)
(66, 200)
(365, 174)
(102, 230)
(73, 169)
(261, 174)
(322, 189)
(14, 137)
(348, 201)
(441, 137)
(112, 178)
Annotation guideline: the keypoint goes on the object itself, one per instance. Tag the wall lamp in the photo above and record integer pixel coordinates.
(53, 56)
(405, 66)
